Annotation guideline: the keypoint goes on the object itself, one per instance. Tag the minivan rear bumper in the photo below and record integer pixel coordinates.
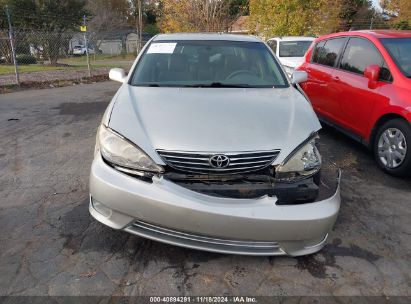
(166, 212)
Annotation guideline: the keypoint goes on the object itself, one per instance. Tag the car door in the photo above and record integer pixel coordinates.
(319, 86)
(356, 100)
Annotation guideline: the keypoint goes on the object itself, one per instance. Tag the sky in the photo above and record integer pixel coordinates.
(376, 3)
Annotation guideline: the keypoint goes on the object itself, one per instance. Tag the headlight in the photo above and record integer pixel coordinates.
(119, 151)
(305, 161)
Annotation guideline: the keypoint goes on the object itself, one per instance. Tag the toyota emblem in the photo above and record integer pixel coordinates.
(219, 161)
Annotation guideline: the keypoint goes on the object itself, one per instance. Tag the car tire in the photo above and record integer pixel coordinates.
(392, 147)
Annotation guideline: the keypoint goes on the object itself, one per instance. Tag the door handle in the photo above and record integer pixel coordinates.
(336, 79)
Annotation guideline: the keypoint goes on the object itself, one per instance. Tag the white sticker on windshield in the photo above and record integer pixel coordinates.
(161, 48)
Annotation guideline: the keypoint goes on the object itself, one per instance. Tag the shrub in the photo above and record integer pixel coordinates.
(26, 59)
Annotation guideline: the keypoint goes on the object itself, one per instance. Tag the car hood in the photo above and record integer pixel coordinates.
(292, 62)
(213, 119)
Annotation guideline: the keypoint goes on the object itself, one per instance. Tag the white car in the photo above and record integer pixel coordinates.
(81, 50)
(290, 50)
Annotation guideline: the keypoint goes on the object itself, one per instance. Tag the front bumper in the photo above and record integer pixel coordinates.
(166, 212)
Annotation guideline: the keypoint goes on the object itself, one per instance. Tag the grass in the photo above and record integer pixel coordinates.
(9, 69)
(74, 63)
(8, 88)
(99, 57)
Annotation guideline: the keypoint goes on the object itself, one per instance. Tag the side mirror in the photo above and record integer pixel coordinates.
(298, 77)
(117, 75)
(372, 72)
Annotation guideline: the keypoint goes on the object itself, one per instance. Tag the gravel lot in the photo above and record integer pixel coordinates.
(50, 245)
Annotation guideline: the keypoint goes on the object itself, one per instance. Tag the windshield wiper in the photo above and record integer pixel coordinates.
(217, 85)
(197, 85)
(150, 84)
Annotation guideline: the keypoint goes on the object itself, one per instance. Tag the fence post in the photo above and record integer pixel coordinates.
(86, 45)
(13, 50)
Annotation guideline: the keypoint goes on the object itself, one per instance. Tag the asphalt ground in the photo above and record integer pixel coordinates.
(50, 245)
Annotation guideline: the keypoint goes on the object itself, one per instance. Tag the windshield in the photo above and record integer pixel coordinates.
(400, 51)
(294, 48)
(208, 64)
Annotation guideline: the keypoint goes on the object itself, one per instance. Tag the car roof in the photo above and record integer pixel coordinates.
(206, 36)
(373, 34)
(388, 33)
(293, 38)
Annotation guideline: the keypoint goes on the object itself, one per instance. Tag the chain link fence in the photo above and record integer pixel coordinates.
(52, 56)
(372, 24)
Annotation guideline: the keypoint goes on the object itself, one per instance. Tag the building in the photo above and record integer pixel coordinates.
(113, 42)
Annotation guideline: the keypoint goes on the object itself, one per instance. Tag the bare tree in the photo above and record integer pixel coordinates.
(196, 15)
(211, 15)
(107, 17)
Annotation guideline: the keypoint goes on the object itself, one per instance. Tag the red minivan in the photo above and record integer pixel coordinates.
(360, 83)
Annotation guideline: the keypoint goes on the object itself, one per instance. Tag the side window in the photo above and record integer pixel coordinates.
(318, 51)
(385, 74)
(359, 54)
(327, 52)
(273, 45)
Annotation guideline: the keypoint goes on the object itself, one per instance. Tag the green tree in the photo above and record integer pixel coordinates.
(292, 17)
(151, 11)
(51, 18)
(356, 14)
(239, 8)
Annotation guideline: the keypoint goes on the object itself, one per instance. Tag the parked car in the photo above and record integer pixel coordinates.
(360, 82)
(81, 50)
(290, 50)
(208, 145)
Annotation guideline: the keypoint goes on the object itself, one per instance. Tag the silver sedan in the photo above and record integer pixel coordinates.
(209, 145)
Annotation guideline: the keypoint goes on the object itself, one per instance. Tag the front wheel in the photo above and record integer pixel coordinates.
(392, 147)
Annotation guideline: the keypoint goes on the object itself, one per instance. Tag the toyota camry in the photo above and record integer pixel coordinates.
(209, 145)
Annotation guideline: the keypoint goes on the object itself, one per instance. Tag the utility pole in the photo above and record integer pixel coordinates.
(139, 22)
(86, 45)
(13, 50)
(372, 20)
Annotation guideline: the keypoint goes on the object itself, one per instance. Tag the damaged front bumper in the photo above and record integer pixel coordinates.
(164, 211)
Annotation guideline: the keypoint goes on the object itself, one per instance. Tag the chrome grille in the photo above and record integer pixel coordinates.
(199, 162)
(203, 242)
